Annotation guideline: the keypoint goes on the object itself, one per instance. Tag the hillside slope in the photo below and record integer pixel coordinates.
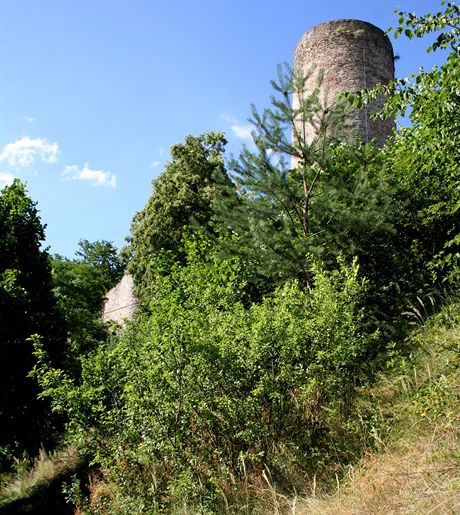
(416, 465)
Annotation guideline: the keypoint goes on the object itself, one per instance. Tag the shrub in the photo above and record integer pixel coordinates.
(207, 391)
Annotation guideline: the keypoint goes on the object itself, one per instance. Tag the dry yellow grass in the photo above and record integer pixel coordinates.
(45, 469)
(421, 476)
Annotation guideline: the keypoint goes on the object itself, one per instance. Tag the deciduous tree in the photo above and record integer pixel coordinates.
(183, 196)
(26, 307)
(80, 286)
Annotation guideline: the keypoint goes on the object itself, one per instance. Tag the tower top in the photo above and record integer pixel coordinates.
(352, 55)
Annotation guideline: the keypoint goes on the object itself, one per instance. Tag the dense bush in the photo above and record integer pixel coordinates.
(207, 391)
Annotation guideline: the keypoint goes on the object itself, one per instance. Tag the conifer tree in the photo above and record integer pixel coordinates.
(298, 190)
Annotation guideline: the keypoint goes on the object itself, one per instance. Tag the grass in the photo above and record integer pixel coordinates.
(33, 488)
(415, 464)
(418, 475)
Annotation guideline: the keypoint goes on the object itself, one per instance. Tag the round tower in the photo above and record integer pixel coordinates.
(352, 55)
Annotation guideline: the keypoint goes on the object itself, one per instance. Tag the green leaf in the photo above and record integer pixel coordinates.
(409, 33)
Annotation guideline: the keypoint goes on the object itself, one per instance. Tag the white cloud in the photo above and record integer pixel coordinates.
(155, 164)
(95, 177)
(241, 131)
(24, 151)
(28, 119)
(6, 179)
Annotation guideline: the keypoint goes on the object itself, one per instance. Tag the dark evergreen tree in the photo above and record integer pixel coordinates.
(304, 194)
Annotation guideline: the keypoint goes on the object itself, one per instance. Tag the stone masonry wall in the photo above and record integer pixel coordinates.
(353, 55)
(120, 302)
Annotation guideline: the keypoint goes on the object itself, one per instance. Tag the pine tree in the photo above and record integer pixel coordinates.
(302, 193)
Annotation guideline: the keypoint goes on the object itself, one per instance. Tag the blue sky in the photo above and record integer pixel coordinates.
(93, 93)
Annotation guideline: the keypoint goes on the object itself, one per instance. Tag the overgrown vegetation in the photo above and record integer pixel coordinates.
(273, 349)
(27, 306)
(79, 287)
(411, 419)
(182, 197)
(205, 392)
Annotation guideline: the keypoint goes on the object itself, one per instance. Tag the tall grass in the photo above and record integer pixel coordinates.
(416, 466)
(38, 483)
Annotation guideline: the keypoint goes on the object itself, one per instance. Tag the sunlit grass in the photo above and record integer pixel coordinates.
(45, 469)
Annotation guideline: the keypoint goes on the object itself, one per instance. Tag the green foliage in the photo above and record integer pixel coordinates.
(26, 307)
(423, 158)
(182, 197)
(104, 259)
(79, 286)
(314, 195)
(414, 25)
(208, 387)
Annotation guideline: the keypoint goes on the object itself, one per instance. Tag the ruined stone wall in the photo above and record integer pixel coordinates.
(353, 55)
(120, 302)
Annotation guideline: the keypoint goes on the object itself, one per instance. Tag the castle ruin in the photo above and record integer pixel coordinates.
(352, 55)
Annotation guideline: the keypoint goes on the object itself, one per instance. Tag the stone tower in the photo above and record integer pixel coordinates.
(353, 55)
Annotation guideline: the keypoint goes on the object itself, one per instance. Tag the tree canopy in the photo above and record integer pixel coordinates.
(183, 196)
(27, 307)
